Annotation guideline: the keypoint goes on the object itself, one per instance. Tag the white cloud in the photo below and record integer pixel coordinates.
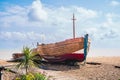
(107, 30)
(55, 23)
(111, 34)
(109, 20)
(86, 13)
(20, 36)
(102, 34)
(114, 3)
(37, 12)
(23, 16)
(60, 16)
(13, 16)
(16, 10)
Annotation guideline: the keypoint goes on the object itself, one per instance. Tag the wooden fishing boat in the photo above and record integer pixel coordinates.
(60, 48)
(64, 51)
(17, 55)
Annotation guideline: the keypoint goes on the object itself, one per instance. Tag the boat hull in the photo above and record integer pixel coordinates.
(60, 48)
(79, 57)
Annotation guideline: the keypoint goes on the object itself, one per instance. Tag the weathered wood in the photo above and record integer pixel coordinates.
(60, 48)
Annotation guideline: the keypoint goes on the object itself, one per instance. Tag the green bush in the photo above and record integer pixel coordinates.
(32, 76)
(39, 76)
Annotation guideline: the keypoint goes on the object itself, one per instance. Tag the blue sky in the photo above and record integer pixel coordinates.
(26, 22)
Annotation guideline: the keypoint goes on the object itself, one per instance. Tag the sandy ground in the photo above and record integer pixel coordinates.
(106, 70)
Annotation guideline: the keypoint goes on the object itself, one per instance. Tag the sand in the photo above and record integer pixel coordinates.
(106, 70)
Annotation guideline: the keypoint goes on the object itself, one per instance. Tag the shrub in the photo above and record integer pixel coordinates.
(30, 60)
(39, 76)
(32, 76)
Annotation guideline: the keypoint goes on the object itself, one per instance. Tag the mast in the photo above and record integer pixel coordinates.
(73, 25)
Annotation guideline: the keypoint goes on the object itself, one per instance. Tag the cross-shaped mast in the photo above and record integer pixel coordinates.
(73, 25)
